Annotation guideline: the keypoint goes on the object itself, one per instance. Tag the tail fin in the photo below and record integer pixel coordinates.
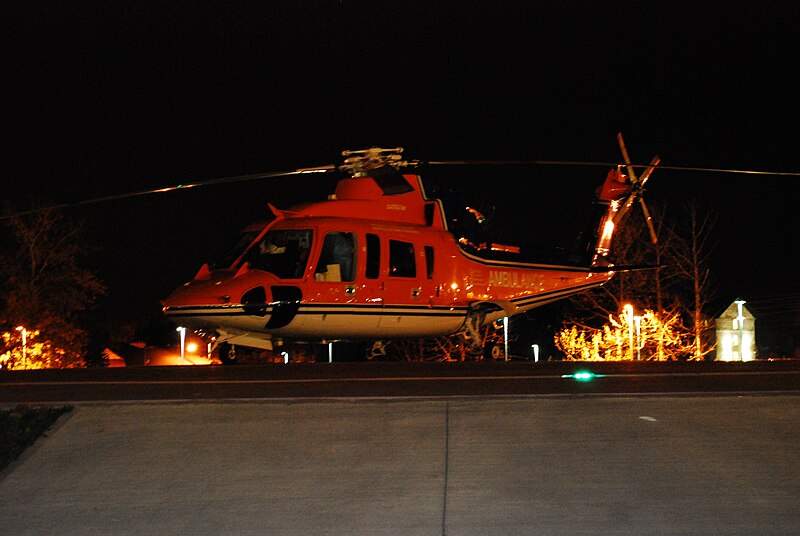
(614, 189)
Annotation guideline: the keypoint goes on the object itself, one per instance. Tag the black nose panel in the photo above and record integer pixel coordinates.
(255, 301)
(286, 303)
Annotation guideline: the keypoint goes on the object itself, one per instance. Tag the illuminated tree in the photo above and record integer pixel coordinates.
(625, 337)
(45, 288)
(33, 353)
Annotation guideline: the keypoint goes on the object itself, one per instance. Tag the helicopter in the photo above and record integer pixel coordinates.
(379, 260)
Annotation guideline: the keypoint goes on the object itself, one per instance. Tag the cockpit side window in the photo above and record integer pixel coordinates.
(337, 261)
(283, 253)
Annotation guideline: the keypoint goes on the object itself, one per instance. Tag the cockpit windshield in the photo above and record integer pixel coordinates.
(224, 261)
(283, 253)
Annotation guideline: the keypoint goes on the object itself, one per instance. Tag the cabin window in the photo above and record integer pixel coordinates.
(373, 256)
(337, 261)
(429, 261)
(401, 259)
(282, 252)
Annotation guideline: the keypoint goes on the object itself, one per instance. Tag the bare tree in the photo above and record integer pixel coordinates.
(45, 287)
(690, 255)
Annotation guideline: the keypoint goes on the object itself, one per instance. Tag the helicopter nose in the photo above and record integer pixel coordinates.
(195, 294)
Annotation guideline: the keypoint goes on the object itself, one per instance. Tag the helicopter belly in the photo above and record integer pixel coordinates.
(324, 321)
(372, 322)
(234, 317)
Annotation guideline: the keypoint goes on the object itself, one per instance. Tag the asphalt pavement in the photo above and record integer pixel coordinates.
(391, 380)
(570, 465)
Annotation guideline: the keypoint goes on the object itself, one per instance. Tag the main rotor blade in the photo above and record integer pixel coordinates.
(517, 163)
(211, 182)
(576, 163)
(229, 180)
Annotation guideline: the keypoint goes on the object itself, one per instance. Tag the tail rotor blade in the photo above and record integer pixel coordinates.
(647, 172)
(626, 158)
(624, 209)
(649, 219)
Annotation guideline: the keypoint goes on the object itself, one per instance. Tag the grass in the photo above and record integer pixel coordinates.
(20, 426)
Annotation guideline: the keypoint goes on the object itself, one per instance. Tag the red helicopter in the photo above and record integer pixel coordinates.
(379, 260)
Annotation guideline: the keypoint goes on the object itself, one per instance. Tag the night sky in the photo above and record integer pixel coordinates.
(110, 97)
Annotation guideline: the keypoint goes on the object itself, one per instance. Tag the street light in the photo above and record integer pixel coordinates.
(24, 345)
(535, 348)
(628, 308)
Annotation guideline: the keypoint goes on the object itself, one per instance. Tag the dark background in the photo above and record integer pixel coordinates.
(110, 97)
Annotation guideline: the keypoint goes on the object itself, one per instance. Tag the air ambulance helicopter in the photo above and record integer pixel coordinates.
(380, 260)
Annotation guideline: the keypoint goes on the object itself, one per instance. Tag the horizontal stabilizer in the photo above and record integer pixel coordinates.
(625, 268)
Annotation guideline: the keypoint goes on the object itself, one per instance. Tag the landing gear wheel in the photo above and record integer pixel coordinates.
(496, 352)
(227, 353)
(377, 351)
(473, 336)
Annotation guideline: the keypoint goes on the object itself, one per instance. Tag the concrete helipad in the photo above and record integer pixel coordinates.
(558, 465)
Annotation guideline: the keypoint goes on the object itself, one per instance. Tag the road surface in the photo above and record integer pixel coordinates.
(353, 380)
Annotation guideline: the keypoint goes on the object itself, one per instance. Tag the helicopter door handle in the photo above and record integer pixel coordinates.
(350, 290)
(415, 292)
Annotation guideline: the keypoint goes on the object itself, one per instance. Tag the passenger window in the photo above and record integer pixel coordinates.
(401, 259)
(373, 256)
(429, 261)
(337, 260)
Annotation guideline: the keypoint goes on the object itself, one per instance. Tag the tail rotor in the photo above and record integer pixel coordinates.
(637, 189)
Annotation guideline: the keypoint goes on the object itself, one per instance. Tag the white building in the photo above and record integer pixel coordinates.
(736, 333)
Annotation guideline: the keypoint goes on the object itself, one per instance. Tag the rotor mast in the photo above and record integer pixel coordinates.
(358, 163)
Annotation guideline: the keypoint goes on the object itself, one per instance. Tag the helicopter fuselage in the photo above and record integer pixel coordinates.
(372, 262)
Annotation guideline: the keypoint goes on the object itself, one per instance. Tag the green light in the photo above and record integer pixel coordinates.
(582, 376)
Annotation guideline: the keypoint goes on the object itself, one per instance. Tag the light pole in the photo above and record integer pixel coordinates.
(740, 325)
(182, 331)
(638, 320)
(629, 319)
(505, 337)
(535, 348)
(24, 333)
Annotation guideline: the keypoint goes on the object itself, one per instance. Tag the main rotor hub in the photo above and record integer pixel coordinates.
(360, 162)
